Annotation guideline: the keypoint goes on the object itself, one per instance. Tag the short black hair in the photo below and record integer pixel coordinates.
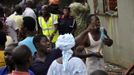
(21, 55)
(29, 3)
(66, 7)
(37, 39)
(29, 23)
(88, 19)
(18, 9)
(99, 72)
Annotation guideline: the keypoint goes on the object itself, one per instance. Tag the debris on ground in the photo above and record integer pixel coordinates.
(114, 69)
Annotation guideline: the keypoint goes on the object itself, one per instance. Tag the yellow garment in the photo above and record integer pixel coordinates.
(2, 61)
(48, 27)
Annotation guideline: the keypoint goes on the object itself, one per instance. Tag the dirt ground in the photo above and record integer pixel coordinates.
(114, 69)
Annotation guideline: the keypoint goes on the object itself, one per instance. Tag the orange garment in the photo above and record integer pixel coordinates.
(56, 2)
(2, 61)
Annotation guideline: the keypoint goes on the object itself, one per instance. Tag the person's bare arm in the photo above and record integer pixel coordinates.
(80, 52)
(107, 41)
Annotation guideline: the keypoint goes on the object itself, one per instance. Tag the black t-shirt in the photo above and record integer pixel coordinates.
(41, 68)
(66, 25)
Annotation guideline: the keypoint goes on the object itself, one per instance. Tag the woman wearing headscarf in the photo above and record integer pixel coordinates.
(67, 64)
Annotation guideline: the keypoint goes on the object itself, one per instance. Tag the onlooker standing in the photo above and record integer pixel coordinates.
(11, 25)
(29, 12)
(67, 23)
(18, 17)
(22, 58)
(28, 28)
(48, 23)
(92, 39)
(67, 64)
(8, 59)
(45, 55)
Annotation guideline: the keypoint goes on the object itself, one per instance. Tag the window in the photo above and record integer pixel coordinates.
(108, 7)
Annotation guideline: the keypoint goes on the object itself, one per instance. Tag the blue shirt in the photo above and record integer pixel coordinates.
(28, 41)
(4, 71)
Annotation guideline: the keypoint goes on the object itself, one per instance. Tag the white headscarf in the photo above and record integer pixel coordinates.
(65, 43)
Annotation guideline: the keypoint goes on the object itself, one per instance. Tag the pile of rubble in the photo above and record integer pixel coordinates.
(114, 69)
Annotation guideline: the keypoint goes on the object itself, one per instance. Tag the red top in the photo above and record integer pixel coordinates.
(19, 73)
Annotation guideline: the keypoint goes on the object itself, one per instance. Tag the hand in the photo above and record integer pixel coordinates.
(51, 37)
(108, 41)
(97, 55)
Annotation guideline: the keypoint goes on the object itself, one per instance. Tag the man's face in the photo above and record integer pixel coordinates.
(45, 11)
(95, 22)
(45, 45)
(8, 55)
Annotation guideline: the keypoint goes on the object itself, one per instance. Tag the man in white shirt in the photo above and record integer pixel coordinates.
(18, 17)
(67, 64)
(11, 26)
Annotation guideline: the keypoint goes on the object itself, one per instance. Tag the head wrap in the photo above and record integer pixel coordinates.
(65, 43)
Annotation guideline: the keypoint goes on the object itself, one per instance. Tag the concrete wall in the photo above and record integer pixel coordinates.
(121, 30)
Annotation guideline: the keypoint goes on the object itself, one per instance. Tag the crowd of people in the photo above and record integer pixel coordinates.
(42, 42)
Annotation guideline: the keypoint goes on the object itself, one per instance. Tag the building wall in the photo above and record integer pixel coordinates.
(121, 30)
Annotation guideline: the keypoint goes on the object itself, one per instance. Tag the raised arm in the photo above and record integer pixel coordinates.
(107, 41)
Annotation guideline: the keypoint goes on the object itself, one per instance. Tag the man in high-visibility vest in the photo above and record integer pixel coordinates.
(48, 23)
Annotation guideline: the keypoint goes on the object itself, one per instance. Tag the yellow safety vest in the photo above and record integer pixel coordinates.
(48, 27)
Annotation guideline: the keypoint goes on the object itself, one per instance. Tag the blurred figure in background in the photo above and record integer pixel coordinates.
(29, 29)
(66, 23)
(18, 18)
(48, 23)
(22, 58)
(8, 59)
(11, 25)
(29, 12)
